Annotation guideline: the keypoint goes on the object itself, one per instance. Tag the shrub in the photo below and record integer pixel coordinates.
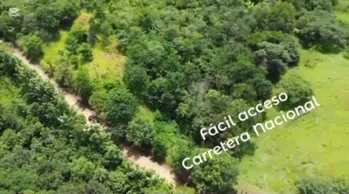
(312, 185)
(298, 91)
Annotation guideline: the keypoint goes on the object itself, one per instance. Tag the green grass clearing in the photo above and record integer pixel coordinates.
(51, 49)
(106, 65)
(316, 143)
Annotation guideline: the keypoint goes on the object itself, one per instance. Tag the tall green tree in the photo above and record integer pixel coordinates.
(216, 175)
(32, 45)
(121, 106)
(141, 133)
(83, 84)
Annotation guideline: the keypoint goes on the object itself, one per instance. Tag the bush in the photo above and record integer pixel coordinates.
(122, 106)
(322, 30)
(216, 175)
(310, 185)
(83, 84)
(141, 133)
(31, 44)
(86, 52)
(274, 52)
(159, 150)
(314, 4)
(298, 91)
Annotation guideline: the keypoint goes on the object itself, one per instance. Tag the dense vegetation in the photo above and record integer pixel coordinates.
(191, 61)
(46, 148)
(310, 185)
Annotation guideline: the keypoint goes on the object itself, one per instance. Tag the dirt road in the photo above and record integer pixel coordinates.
(163, 170)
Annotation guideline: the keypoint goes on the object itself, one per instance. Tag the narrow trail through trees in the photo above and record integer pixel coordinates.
(163, 170)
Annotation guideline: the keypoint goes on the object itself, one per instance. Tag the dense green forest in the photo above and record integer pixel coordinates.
(47, 148)
(189, 64)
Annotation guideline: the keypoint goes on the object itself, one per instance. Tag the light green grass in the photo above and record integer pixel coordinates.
(342, 11)
(316, 143)
(7, 91)
(107, 62)
(51, 49)
(146, 113)
(106, 65)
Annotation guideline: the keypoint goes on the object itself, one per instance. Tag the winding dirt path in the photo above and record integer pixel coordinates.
(163, 170)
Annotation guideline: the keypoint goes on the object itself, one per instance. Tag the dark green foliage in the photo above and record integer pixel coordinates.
(263, 88)
(314, 4)
(194, 61)
(7, 64)
(159, 150)
(122, 106)
(43, 18)
(74, 43)
(9, 26)
(68, 11)
(203, 110)
(279, 16)
(64, 74)
(46, 18)
(182, 151)
(32, 45)
(274, 52)
(320, 185)
(215, 175)
(46, 148)
(137, 79)
(272, 58)
(83, 84)
(322, 30)
(71, 44)
(86, 52)
(298, 91)
(98, 99)
(140, 133)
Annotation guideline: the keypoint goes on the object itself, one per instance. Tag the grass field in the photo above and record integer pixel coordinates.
(316, 143)
(107, 62)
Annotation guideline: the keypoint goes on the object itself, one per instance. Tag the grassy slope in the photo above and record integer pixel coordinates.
(316, 143)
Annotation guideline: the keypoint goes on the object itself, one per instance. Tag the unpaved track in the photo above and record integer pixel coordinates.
(163, 170)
